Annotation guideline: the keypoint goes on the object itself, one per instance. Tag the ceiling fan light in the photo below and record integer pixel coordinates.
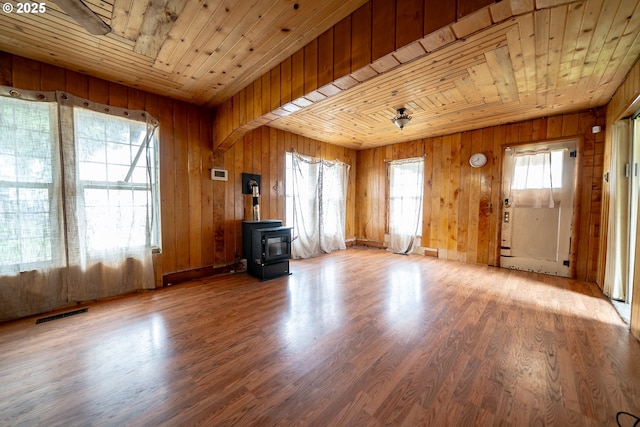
(401, 119)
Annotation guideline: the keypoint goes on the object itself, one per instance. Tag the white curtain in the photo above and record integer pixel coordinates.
(406, 185)
(76, 201)
(319, 205)
(615, 276)
(532, 186)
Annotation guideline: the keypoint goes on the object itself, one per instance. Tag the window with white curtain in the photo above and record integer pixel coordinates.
(316, 192)
(79, 201)
(117, 178)
(406, 184)
(29, 188)
(534, 178)
(535, 171)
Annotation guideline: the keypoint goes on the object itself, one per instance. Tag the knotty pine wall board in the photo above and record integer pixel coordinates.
(461, 206)
(186, 184)
(262, 151)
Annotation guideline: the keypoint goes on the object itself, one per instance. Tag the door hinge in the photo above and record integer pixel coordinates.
(573, 154)
(565, 262)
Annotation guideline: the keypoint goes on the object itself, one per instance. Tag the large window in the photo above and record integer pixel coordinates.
(316, 192)
(118, 178)
(109, 176)
(29, 228)
(406, 183)
(79, 199)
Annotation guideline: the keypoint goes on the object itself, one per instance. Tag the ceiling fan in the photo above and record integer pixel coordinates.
(84, 16)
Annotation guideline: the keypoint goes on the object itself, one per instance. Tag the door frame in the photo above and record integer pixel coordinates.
(577, 195)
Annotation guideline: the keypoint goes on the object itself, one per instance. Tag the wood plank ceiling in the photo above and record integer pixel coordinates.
(561, 59)
(199, 51)
(558, 58)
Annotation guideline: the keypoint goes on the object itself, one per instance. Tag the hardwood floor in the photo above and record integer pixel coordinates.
(359, 337)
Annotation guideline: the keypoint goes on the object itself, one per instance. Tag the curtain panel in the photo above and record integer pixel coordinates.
(531, 186)
(406, 187)
(319, 205)
(615, 276)
(78, 201)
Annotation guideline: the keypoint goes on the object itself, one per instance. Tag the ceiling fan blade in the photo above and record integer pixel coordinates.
(84, 16)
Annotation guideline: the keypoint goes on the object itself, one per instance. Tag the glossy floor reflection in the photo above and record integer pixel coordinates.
(357, 337)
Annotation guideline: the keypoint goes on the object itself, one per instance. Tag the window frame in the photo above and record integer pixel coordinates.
(54, 257)
(152, 172)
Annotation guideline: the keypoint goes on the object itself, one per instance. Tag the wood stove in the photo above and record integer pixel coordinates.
(267, 247)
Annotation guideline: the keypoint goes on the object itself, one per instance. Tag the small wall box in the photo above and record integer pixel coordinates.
(219, 175)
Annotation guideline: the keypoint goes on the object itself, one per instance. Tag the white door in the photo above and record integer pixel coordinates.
(538, 238)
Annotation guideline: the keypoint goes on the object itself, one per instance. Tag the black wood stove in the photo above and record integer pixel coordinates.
(266, 245)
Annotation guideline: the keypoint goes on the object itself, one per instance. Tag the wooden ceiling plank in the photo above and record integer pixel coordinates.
(599, 37)
(233, 38)
(502, 71)
(612, 40)
(56, 25)
(205, 19)
(137, 14)
(104, 9)
(88, 56)
(440, 65)
(158, 20)
(557, 24)
(570, 41)
(410, 92)
(438, 39)
(190, 23)
(517, 63)
(461, 49)
(77, 46)
(468, 89)
(237, 79)
(236, 54)
(340, 10)
(471, 23)
(542, 20)
(527, 42)
(628, 48)
(120, 16)
(590, 14)
(258, 39)
(481, 76)
(548, 4)
(331, 13)
(105, 73)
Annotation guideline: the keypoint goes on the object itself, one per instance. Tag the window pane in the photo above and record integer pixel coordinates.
(118, 213)
(27, 147)
(557, 161)
(405, 197)
(536, 171)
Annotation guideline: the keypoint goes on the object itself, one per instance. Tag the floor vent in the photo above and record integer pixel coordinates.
(61, 315)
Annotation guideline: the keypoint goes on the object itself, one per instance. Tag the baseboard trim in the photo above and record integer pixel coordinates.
(196, 273)
(370, 243)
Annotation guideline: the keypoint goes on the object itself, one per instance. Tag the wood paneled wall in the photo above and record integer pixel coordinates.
(262, 151)
(185, 155)
(380, 35)
(462, 204)
(201, 218)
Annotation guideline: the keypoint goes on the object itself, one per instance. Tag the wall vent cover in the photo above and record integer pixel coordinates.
(61, 315)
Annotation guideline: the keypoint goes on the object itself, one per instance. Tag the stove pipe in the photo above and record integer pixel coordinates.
(256, 204)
